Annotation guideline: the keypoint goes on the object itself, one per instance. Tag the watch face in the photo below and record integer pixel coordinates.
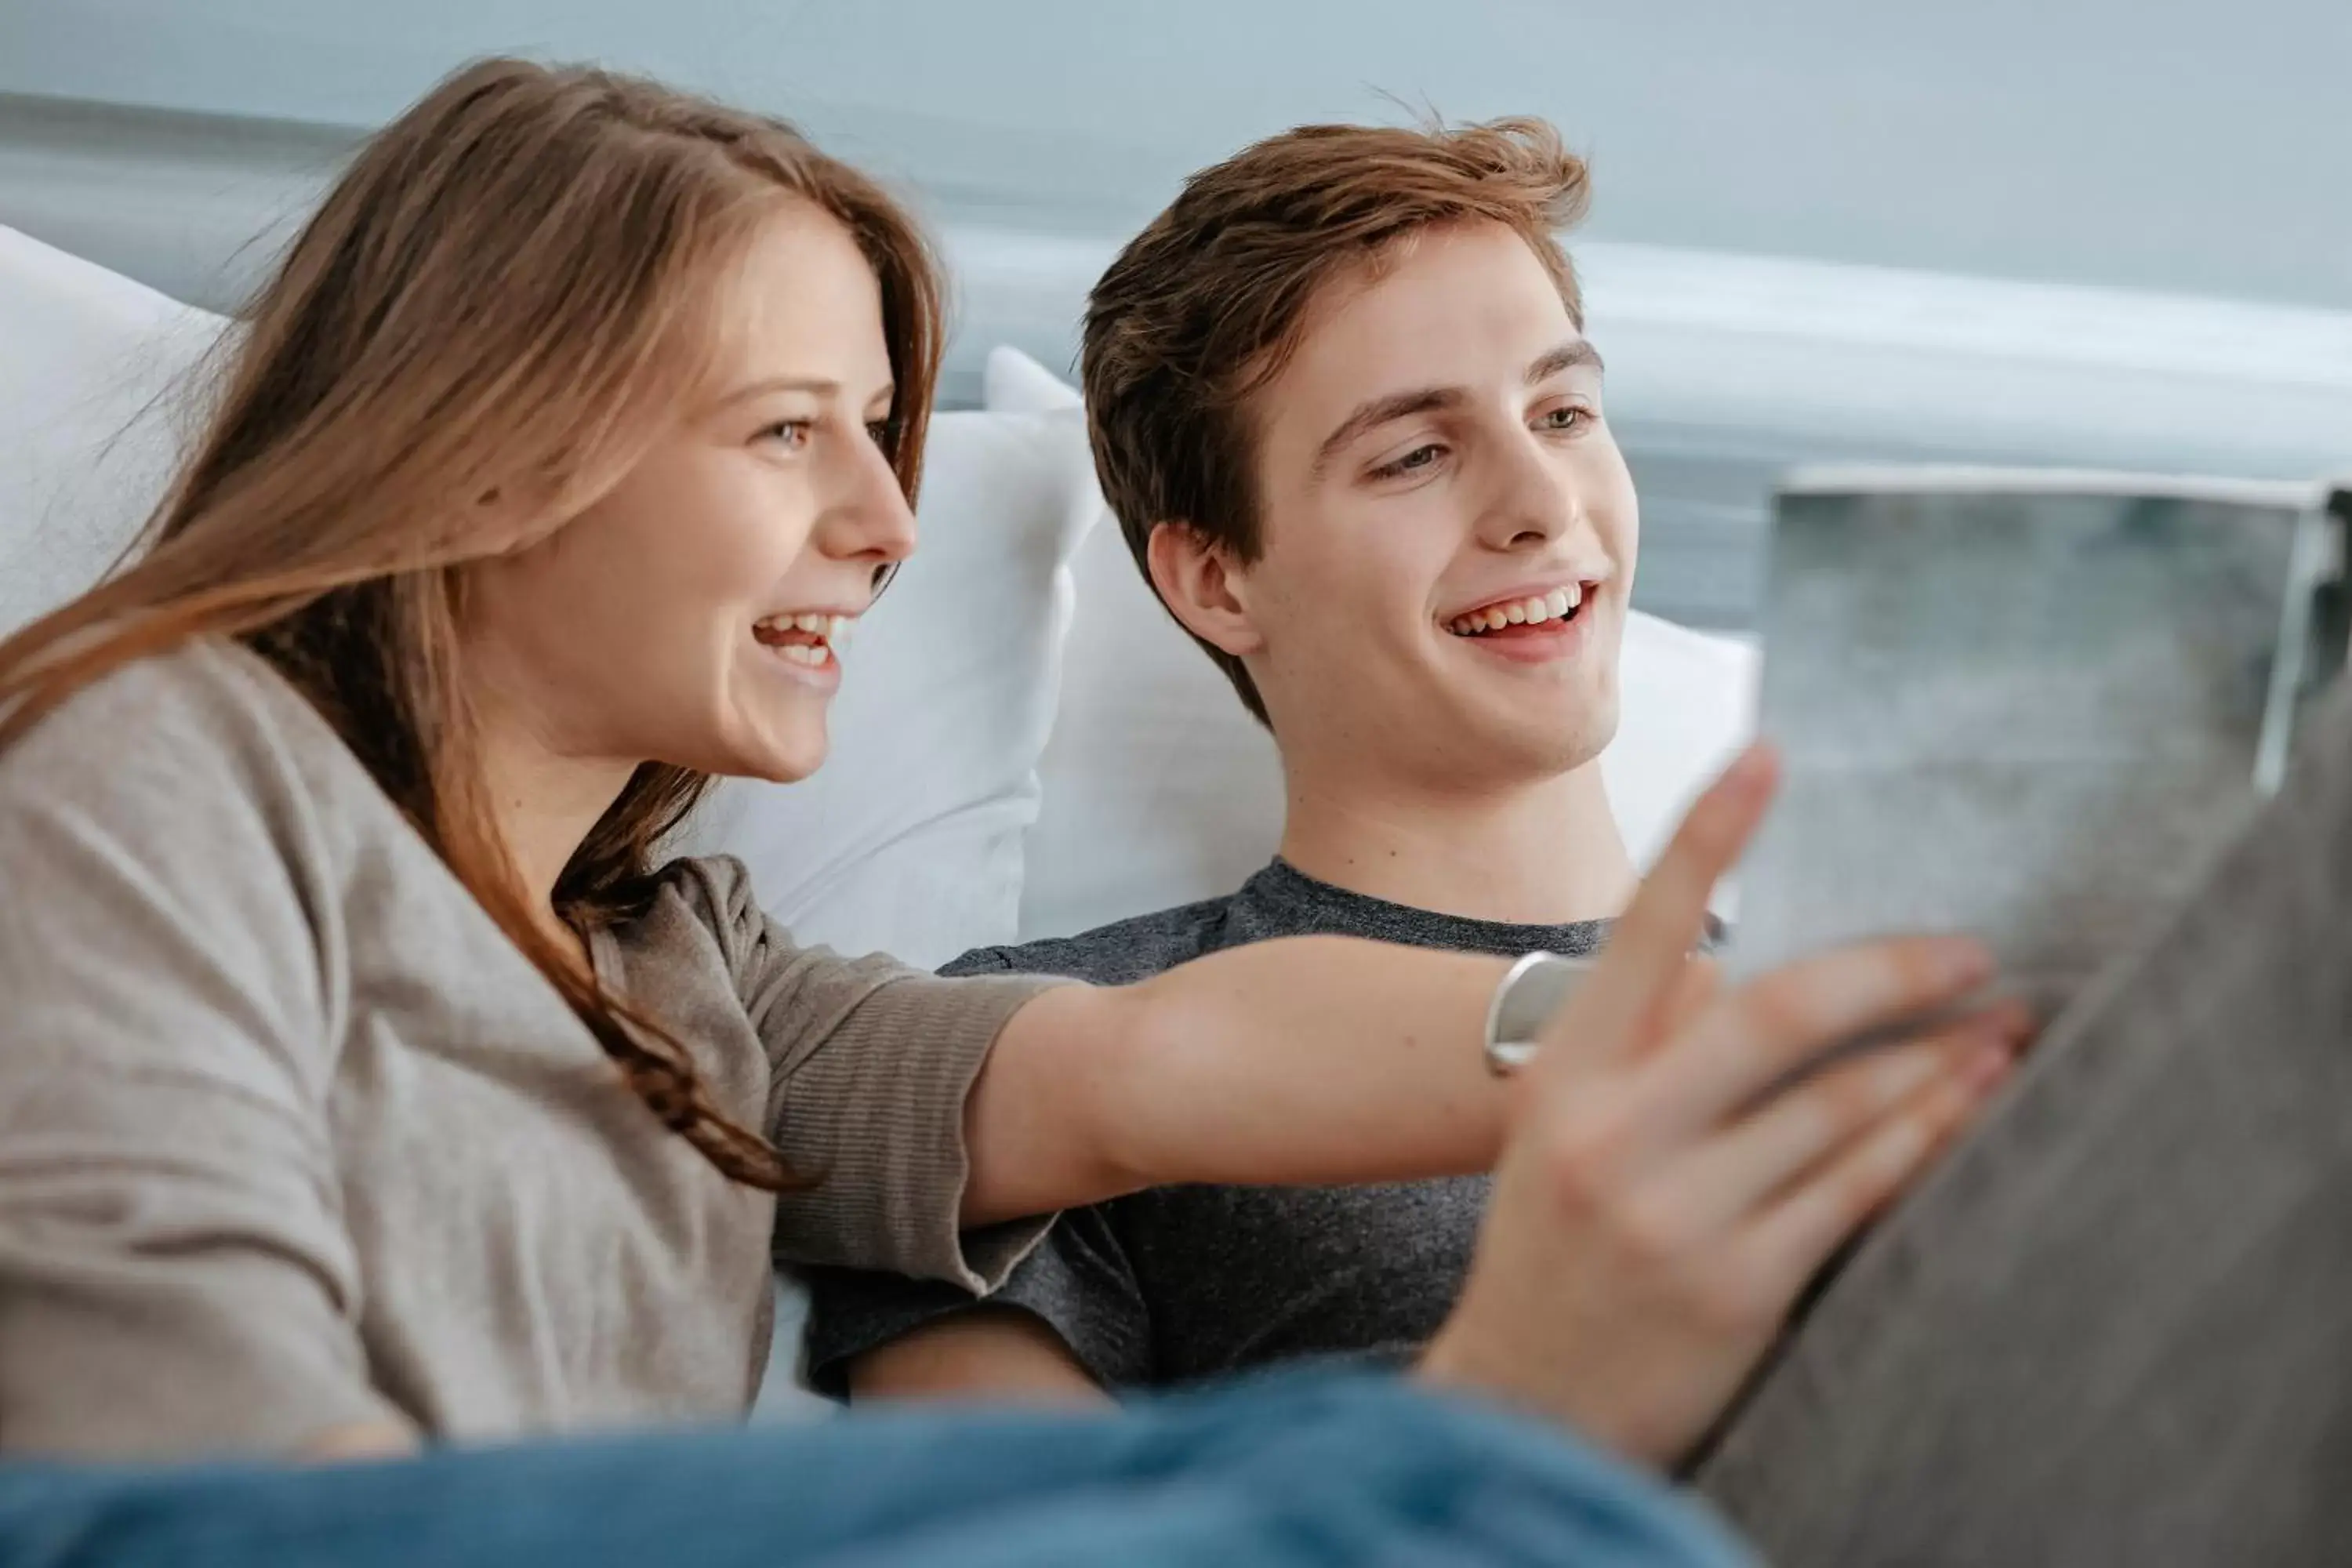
(1539, 991)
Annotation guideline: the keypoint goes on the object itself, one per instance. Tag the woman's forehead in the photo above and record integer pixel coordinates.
(802, 300)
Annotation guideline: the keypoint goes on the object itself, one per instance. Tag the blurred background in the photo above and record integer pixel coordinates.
(2068, 232)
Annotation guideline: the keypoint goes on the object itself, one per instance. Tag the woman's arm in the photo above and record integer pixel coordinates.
(177, 1280)
(1308, 1060)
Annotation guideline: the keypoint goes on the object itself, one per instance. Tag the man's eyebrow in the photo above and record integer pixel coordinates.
(1375, 412)
(1569, 355)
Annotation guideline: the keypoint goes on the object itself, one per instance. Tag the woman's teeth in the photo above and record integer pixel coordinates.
(829, 635)
(832, 629)
(1552, 607)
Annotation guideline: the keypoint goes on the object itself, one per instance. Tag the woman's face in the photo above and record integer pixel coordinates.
(695, 615)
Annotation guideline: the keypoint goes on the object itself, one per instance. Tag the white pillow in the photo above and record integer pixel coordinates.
(1013, 382)
(910, 840)
(1687, 703)
(94, 399)
(1159, 789)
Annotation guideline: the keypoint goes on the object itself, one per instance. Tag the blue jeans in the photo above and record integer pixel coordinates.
(1290, 1471)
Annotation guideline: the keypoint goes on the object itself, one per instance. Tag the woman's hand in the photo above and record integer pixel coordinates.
(359, 1442)
(1657, 1209)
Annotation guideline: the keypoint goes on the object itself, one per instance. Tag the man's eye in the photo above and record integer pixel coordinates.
(1563, 418)
(1419, 457)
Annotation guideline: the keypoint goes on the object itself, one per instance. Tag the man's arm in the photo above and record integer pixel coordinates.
(1070, 1321)
(984, 1352)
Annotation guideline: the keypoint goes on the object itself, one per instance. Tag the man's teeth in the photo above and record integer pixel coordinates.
(1530, 611)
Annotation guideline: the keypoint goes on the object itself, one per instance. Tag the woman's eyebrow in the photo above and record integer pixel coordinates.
(818, 385)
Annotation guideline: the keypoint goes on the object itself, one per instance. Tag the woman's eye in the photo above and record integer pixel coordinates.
(881, 431)
(790, 433)
(1419, 457)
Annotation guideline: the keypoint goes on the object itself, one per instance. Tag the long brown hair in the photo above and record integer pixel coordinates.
(505, 294)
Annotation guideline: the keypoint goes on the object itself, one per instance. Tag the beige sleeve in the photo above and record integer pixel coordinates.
(174, 1278)
(872, 1062)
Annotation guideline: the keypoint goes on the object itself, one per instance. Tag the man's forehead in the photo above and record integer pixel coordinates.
(1411, 326)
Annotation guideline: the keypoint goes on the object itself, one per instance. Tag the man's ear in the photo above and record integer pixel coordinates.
(1200, 581)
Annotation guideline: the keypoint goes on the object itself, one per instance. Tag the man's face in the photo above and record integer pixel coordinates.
(1448, 529)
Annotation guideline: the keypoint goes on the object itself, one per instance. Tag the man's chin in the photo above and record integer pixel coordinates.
(1550, 745)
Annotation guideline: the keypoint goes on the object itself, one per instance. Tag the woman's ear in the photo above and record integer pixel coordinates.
(514, 517)
(1199, 579)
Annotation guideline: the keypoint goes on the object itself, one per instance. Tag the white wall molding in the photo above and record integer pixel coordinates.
(1786, 357)
(1725, 370)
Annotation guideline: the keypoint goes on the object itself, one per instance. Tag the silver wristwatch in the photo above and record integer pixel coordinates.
(1531, 991)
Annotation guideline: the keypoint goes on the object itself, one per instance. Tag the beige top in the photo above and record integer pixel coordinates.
(291, 1136)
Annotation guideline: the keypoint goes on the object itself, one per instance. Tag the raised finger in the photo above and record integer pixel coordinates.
(1652, 942)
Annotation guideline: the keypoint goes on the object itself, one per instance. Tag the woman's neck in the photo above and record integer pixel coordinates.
(544, 805)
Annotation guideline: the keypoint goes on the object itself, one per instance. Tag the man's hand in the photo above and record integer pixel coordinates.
(1657, 1209)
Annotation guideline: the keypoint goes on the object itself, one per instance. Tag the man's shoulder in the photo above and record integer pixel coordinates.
(1118, 953)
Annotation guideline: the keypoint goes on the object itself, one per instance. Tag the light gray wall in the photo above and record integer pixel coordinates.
(2193, 148)
(2179, 144)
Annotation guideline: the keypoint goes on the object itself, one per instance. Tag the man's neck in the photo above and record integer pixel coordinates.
(1541, 854)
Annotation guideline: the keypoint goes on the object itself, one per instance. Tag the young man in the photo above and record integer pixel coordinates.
(1336, 413)
(1344, 409)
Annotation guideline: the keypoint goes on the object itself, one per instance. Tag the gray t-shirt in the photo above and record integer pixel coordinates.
(1188, 1283)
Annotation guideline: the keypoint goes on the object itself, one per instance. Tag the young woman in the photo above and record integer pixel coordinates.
(366, 1080)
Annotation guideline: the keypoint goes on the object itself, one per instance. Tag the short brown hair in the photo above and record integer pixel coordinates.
(1207, 304)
